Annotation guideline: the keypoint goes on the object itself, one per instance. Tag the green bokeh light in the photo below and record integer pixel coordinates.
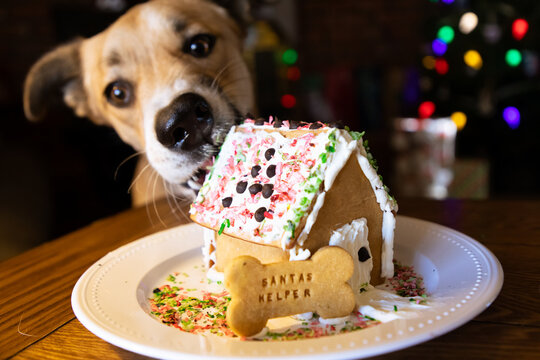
(513, 57)
(446, 34)
(289, 56)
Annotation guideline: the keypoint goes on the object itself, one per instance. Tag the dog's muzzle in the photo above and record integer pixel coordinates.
(185, 124)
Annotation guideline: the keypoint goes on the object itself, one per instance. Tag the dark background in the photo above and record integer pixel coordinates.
(355, 57)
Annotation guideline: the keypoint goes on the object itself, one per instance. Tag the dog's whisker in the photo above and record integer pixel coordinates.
(137, 178)
(154, 199)
(125, 161)
(147, 205)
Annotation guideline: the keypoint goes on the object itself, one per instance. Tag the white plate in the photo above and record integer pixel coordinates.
(111, 297)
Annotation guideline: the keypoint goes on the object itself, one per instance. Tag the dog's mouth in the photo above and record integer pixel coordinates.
(197, 179)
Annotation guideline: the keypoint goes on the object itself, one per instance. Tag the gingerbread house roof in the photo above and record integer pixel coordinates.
(268, 184)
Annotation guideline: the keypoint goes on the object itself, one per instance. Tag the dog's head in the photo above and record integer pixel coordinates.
(168, 75)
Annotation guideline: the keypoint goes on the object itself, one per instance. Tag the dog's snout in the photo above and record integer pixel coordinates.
(186, 123)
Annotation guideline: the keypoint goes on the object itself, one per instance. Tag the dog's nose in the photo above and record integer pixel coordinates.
(185, 124)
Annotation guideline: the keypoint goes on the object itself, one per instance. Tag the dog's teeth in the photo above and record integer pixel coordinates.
(194, 185)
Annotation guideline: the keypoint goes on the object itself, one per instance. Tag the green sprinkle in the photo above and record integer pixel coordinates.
(171, 278)
(323, 157)
(395, 308)
(221, 228)
(228, 222)
(356, 135)
(330, 148)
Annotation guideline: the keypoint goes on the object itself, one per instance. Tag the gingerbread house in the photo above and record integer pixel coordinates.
(279, 191)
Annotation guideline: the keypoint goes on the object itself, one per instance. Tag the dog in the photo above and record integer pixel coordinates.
(169, 76)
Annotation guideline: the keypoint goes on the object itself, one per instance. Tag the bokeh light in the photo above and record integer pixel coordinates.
(513, 57)
(468, 22)
(428, 62)
(289, 56)
(512, 116)
(441, 66)
(473, 59)
(293, 73)
(519, 28)
(459, 118)
(288, 101)
(439, 47)
(446, 34)
(426, 109)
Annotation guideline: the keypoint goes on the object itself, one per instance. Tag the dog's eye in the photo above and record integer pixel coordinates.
(200, 45)
(119, 93)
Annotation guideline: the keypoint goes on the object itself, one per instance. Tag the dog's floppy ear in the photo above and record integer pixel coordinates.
(243, 11)
(55, 77)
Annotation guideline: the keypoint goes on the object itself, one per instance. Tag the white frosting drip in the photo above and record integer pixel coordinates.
(296, 254)
(386, 306)
(334, 321)
(387, 206)
(304, 316)
(209, 237)
(352, 237)
(214, 275)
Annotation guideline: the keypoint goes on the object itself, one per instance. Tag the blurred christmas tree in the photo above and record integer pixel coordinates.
(480, 66)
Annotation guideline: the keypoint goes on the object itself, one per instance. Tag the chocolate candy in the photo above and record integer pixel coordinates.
(278, 124)
(255, 188)
(255, 170)
(271, 171)
(293, 124)
(259, 214)
(363, 254)
(259, 121)
(226, 202)
(268, 154)
(315, 126)
(241, 187)
(267, 190)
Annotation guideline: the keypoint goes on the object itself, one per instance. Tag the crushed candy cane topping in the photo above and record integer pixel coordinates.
(263, 183)
(178, 307)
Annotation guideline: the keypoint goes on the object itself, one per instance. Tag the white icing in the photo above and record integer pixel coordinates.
(209, 237)
(334, 321)
(304, 316)
(296, 254)
(387, 205)
(214, 275)
(387, 306)
(352, 237)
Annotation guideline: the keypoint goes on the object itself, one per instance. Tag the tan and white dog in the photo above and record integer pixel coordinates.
(168, 76)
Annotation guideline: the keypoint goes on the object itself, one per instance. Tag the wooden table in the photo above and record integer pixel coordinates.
(36, 320)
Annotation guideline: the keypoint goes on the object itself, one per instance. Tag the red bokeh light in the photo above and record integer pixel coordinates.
(441, 66)
(293, 73)
(426, 109)
(519, 28)
(288, 101)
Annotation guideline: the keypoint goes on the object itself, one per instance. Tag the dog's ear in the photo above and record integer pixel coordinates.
(53, 78)
(243, 11)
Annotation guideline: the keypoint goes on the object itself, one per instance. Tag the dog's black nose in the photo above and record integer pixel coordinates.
(186, 123)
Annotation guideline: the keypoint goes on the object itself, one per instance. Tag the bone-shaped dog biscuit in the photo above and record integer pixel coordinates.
(261, 292)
